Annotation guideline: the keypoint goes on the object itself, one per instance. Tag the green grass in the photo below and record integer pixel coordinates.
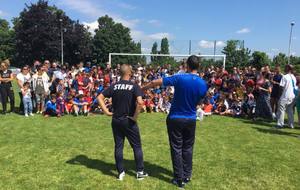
(77, 153)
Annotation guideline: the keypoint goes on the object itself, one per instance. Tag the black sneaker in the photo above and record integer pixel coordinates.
(178, 183)
(141, 175)
(186, 180)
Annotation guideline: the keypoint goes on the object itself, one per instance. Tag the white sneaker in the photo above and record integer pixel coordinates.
(121, 176)
(31, 114)
(141, 175)
(26, 115)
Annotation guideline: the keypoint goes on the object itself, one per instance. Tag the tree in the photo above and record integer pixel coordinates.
(236, 56)
(6, 40)
(154, 51)
(113, 37)
(164, 49)
(38, 35)
(295, 60)
(164, 46)
(280, 59)
(260, 59)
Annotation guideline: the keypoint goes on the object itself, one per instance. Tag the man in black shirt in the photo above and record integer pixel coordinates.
(6, 89)
(127, 103)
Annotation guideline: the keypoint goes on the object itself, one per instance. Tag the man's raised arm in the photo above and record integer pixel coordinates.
(153, 84)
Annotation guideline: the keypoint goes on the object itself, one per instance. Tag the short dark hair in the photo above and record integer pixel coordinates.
(53, 97)
(26, 83)
(193, 62)
(289, 68)
(39, 67)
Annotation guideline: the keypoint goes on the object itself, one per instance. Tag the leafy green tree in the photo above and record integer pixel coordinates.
(164, 49)
(260, 59)
(280, 59)
(38, 35)
(164, 46)
(236, 55)
(113, 37)
(6, 40)
(154, 50)
(295, 60)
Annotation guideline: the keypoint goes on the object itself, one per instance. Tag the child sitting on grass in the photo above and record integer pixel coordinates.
(80, 105)
(26, 92)
(204, 109)
(51, 107)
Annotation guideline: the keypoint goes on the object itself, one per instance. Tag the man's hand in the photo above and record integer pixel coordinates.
(109, 114)
(103, 106)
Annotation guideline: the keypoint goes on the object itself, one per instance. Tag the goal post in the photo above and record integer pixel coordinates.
(166, 55)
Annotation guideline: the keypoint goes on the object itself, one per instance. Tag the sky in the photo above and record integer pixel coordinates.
(264, 25)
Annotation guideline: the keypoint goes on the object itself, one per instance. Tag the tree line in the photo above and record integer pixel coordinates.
(36, 35)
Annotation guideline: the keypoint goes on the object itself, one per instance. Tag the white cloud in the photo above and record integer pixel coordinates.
(126, 6)
(243, 31)
(146, 50)
(275, 50)
(159, 36)
(90, 9)
(92, 26)
(155, 22)
(140, 35)
(293, 53)
(2, 13)
(210, 44)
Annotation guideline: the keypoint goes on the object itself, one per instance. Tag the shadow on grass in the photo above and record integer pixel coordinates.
(259, 122)
(276, 132)
(108, 168)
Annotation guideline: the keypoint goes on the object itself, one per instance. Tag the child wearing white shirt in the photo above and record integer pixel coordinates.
(26, 92)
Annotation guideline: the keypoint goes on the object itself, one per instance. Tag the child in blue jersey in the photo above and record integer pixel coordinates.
(51, 107)
(80, 105)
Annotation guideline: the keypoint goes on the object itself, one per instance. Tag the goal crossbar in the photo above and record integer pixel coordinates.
(165, 55)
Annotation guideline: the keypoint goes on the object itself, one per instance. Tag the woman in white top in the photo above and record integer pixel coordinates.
(22, 77)
(40, 86)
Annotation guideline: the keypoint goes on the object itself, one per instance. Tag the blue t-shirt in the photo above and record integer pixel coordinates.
(50, 106)
(189, 90)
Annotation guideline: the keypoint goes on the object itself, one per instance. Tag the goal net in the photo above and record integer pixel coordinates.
(164, 59)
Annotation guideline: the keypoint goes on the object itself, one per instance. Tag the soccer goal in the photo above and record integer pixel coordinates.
(149, 57)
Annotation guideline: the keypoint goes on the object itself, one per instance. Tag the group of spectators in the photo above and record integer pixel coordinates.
(52, 90)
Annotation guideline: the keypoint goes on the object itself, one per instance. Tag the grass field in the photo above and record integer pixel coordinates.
(77, 153)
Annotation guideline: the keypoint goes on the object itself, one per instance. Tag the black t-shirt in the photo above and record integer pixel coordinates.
(124, 95)
(5, 75)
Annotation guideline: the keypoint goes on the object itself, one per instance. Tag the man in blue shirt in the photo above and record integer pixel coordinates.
(181, 121)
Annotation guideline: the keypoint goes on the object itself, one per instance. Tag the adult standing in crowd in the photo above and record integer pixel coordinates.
(190, 89)
(287, 99)
(127, 103)
(22, 77)
(6, 90)
(275, 95)
(264, 89)
(40, 87)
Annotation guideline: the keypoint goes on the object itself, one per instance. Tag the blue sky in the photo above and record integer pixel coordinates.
(264, 24)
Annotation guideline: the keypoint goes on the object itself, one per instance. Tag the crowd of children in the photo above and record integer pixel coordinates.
(56, 91)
